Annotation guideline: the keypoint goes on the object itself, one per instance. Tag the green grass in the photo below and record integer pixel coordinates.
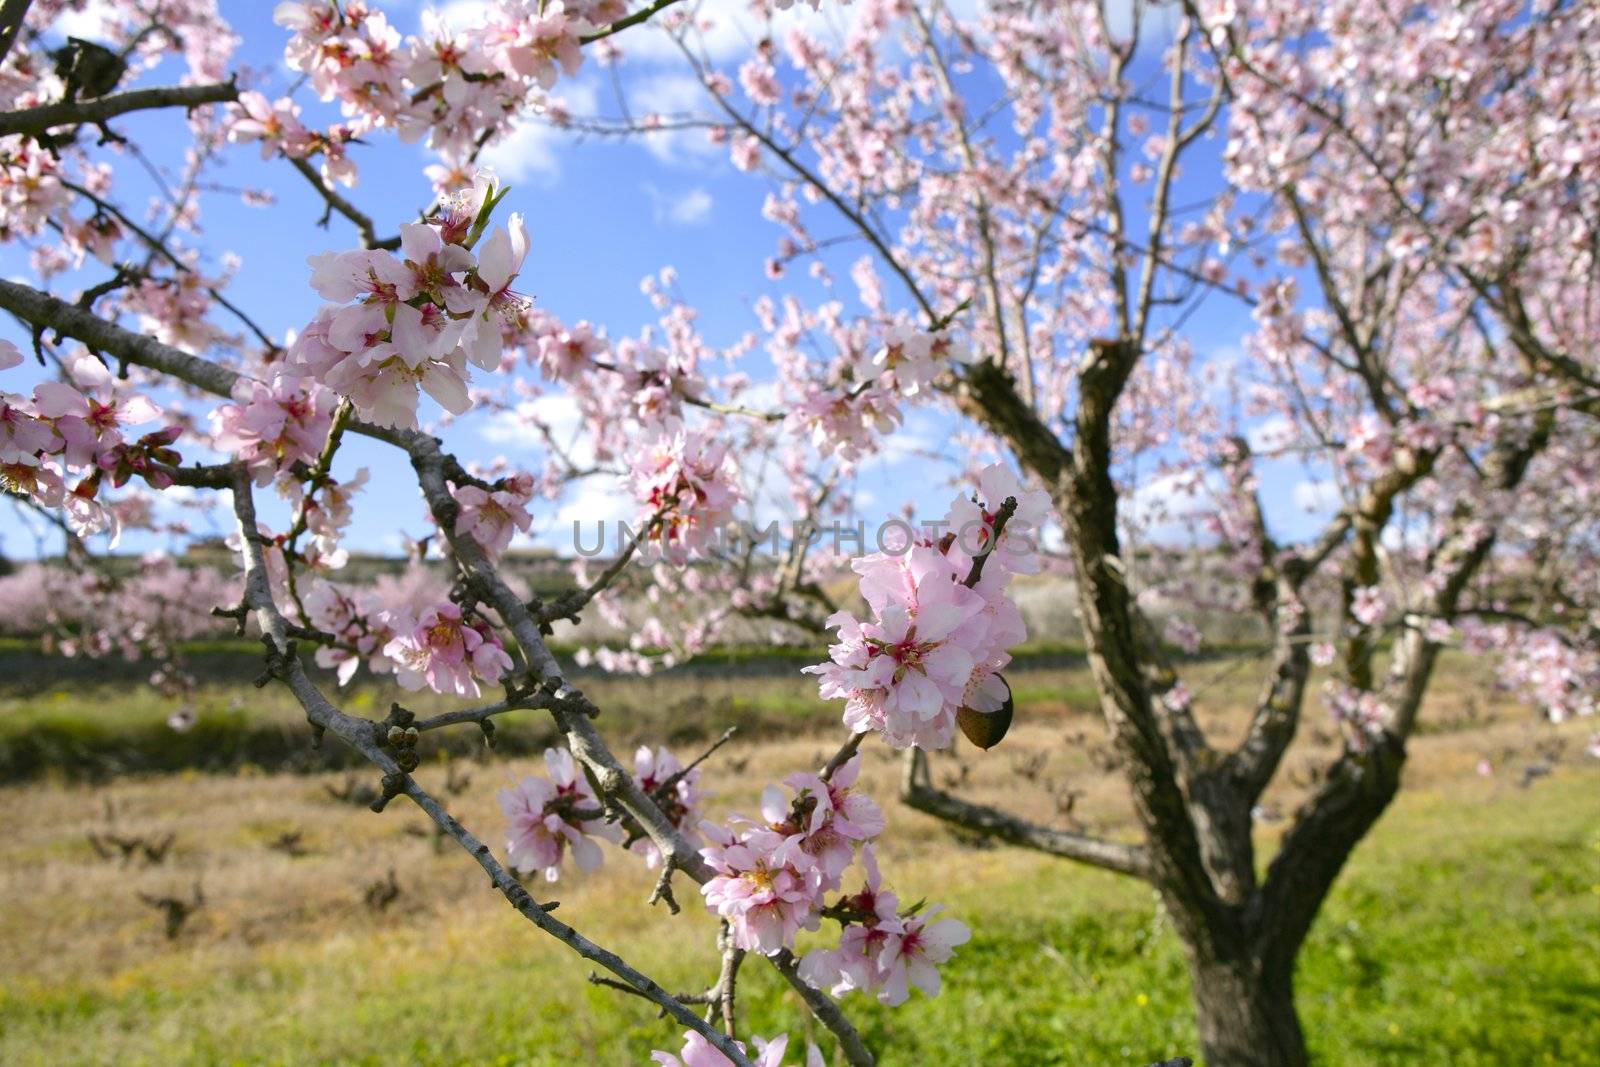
(97, 719)
(1465, 932)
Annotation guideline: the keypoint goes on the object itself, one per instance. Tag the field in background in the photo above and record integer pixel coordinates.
(1466, 932)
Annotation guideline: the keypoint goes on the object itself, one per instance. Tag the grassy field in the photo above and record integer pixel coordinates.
(1467, 930)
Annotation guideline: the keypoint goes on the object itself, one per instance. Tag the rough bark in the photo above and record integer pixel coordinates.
(1246, 1013)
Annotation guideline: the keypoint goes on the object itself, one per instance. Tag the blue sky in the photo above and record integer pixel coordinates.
(602, 214)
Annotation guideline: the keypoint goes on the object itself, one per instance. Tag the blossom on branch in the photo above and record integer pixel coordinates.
(548, 816)
(698, 1052)
(273, 425)
(416, 321)
(934, 645)
(447, 653)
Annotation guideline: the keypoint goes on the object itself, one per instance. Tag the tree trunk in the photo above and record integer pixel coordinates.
(1246, 1014)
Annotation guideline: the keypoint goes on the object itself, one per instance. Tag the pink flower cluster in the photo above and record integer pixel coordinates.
(880, 950)
(456, 82)
(1541, 664)
(271, 426)
(416, 320)
(933, 645)
(364, 620)
(276, 125)
(548, 816)
(688, 478)
(854, 401)
(446, 652)
(494, 515)
(30, 188)
(652, 770)
(74, 427)
(327, 509)
(911, 359)
(774, 876)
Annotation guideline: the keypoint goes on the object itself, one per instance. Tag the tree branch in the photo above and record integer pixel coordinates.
(12, 14)
(571, 710)
(359, 734)
(35, 121)
(918, 793)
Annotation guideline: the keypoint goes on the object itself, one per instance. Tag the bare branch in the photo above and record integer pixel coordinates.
(621, 24)
(359, 734)
(567, 605)
(337, 202)
(36, 121)
(917, 792)
(845, 754)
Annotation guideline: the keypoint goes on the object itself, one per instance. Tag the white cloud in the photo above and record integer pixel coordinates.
(521, 429)
(674, 96)
(592, 512)
(535, 147)
(89, 24)
(1318, 496)
(1164, 509)
(690, 208)
(464, 14)
(723, 30)
(1272, 435)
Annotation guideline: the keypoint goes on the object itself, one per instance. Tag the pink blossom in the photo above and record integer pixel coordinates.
(906, 673)
(746, 152)
(565, 352)
(906, 355)
(1367, 605)
(879, 949)
(688, 478)
(547, 816)
(972, 520)
(23, 435)
(911, 955)
(765, 900)
(498, 265)
(88, 413)
(698, 1052)
(446, 653)
(275, 124)
(652, 769)
(273, 425)
(824, 822)
(492, 517)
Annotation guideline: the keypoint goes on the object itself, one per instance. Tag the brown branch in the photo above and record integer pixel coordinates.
(569, 604)
(158, 247)
(572, 711)
(36, 121)
(12, 14)
(337, 202)
(359, 734)
(845, 754)
(624, 23)
(918, 793)
(668, 784)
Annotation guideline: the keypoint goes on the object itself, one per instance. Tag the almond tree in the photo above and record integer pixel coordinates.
(1405, 213)
(1395, 204)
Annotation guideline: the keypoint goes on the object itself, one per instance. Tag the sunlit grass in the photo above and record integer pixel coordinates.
(1464, 932)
